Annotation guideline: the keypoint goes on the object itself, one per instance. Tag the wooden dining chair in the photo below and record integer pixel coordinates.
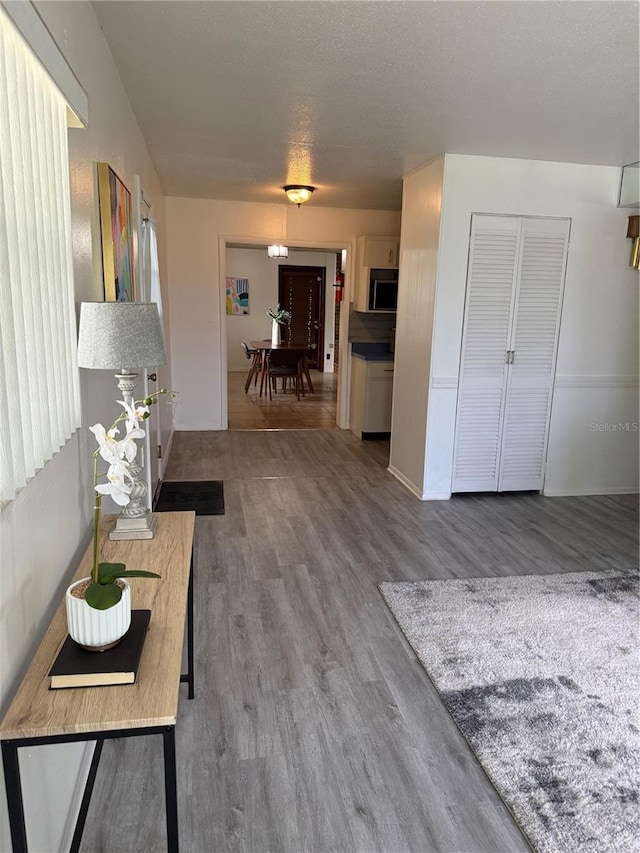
(286, 365)
(305, 367)
(255, 357)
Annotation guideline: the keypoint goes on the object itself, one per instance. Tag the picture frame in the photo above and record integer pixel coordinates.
(117, 236)
(237, 296)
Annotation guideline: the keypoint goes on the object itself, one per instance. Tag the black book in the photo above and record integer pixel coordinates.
(76, 667)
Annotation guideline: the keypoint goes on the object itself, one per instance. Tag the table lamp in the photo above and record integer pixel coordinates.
(124, 337)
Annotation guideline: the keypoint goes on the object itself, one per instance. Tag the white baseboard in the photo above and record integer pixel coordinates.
(423, 496)
(611, 490)
(405, 482)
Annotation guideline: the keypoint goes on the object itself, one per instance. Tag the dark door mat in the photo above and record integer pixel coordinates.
(206, 497)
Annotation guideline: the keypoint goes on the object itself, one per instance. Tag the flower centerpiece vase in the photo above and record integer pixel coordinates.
(278, 317)
(99, 606)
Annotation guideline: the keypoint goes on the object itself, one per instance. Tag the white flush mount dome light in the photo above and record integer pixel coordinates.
(298, 193)
(277, 251)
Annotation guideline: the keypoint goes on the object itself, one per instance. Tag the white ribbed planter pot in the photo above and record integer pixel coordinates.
(97, 629)
(275, 333)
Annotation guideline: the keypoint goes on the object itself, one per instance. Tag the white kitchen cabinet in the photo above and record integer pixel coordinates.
(372, 253)
(379, 252)
(512, 319)
(371, 396)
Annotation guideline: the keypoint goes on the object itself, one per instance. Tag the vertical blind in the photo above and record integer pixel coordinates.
(39, 386)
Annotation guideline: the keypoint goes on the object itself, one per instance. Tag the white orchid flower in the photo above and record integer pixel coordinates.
(107, 442)
(134, 414)
(127, 446)
(118, 490)
(116, 485)
(121, 483)
(119, 470)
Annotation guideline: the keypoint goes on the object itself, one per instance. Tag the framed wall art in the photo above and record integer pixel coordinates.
(237, 293)
(117, 236)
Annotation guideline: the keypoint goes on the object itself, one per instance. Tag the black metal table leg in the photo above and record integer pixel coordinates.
(15, 805)
(170, 788)
(86, 797)
(189, 676)
(190, 632)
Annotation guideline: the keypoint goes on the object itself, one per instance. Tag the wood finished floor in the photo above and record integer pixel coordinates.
(314, 728)
(313, 411)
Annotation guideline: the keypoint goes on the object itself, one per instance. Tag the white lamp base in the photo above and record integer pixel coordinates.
(134, 522)
(142, 527)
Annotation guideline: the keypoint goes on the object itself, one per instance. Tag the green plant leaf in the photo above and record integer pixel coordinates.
(106, 571)
(113, 571)
(137, 573)
(101, 596)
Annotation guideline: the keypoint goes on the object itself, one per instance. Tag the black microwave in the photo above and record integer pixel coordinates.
(383, 290)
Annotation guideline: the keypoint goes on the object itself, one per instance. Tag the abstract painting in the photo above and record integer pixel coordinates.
(117, 237)
(237, 295)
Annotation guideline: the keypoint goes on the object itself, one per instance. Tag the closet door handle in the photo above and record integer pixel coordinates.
(390, 256)
(508, 358)
(513, 356)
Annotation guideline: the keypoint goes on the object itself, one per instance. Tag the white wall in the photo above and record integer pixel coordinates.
(421, 203)
(597, 366)
(198, 231)
(45, 529)
(262, 273)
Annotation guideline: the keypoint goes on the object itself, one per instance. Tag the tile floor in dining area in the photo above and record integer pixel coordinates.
(283, 411)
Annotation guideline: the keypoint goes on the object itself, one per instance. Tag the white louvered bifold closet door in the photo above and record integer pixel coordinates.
(512, 314)
(493, 258)
(533, 345)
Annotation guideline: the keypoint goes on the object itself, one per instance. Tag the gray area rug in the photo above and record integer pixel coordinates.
(541, 674)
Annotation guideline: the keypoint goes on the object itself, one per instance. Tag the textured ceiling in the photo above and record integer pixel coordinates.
(236, 99)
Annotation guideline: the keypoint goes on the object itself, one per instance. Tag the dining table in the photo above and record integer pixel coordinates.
(266, 346)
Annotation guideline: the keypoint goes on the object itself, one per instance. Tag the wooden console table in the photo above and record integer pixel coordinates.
(39, 715)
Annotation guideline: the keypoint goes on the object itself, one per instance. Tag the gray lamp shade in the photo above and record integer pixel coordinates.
(119, 335)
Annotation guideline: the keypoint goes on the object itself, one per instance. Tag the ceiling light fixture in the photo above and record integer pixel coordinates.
(298, 193)
(277, 251)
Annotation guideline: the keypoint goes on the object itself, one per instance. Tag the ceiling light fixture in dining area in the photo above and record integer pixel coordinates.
(298, 193)
(277, 251)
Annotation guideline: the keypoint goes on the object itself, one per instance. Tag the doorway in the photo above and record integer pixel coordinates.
(301, 292)
(148, 277)
(324, 408)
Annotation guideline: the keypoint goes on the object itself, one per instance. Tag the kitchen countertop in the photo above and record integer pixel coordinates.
(372, 351)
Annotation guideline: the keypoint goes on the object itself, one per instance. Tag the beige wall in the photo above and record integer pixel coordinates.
(197, 231)
(45, 528)
(419, 244)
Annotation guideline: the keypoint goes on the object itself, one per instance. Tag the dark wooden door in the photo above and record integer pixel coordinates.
(301, 293)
